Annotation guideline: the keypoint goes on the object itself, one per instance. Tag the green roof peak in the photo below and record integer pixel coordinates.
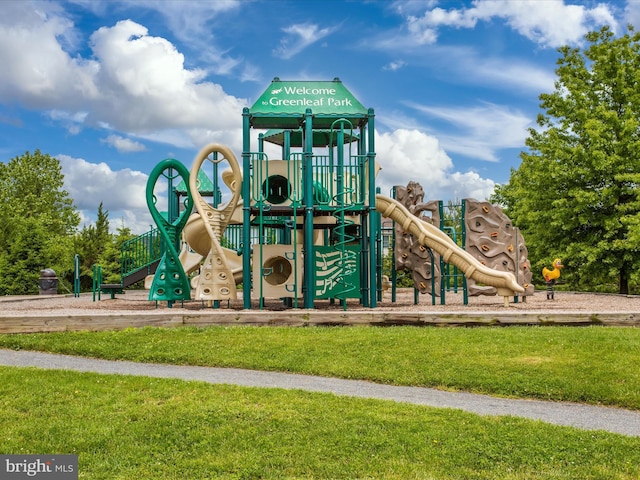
(283, 103)
(205, 186)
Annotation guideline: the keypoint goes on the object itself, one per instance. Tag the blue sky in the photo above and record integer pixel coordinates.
(113, 87)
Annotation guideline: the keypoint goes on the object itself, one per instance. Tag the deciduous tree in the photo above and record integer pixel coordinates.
(37, 219)
(575, 194)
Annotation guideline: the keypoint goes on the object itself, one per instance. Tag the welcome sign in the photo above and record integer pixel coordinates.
(293, 98)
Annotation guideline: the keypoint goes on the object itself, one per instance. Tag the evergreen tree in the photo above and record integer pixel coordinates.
(91, 243)
(111, 259)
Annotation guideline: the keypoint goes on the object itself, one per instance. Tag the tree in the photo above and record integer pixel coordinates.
(32, 186)
(103, 236)
(575, 194)
(111, 259)
(91, 243)
(37, 218)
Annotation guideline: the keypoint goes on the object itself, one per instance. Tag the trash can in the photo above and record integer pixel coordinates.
(48, 282)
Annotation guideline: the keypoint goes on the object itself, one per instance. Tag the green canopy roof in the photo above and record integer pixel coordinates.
(284, 103)
(321, 138)
(205, 186)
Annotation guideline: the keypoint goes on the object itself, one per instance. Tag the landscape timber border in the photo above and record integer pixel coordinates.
(180, 317)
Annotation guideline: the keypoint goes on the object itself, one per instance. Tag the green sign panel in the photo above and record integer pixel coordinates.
(337, 273)
(328, 99)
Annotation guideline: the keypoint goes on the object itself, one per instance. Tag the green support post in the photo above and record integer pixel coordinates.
(443, 277)
(96, 271)
(394, 273)
(463, 215)
(308, 287)
(365, 284)
(245, 247)
(378, 219)
(371, 160)
(286, 145)
(76, 275)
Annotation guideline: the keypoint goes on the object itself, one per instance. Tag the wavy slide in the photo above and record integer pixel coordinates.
(195, 234)
(434, 238)
(196, 248)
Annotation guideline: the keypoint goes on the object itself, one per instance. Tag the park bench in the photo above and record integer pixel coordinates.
(112, 289)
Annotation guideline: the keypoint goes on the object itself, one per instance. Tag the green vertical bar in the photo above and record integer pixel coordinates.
(373, 230)
(217, 198)
(379, 251)
(465, 291)
(308, 287)
(394, 275)
(245, 247)
(515, 229)
(433, 278)
(443, 277)
(286, 145)
(216, 186)
(365, 246)
(287, 237)
(76, 275)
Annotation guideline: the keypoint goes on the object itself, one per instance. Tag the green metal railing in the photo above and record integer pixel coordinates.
(141, 252)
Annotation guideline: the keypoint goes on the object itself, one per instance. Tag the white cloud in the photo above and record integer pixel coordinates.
(550, 23)
(147, 87)
(425, 29)
(134, 82)
(122, 192)
(407, 155)
(298, 38)
(41, 74)
(511, 73)
(632, 13)
(189, 20)
(123, 144)
(467, 66)
(393, 66)
(192, 22)
(480, 131)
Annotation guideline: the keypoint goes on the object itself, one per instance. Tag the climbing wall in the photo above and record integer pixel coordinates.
(411, 255)
(492, 240)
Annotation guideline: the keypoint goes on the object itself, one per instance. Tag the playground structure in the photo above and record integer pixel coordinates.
(486, 233)
(306, 225)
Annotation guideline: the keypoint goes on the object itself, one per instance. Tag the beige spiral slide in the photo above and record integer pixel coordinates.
(197, 246)
(432, 237)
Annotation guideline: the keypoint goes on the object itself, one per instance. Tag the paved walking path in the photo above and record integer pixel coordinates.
(586, 417)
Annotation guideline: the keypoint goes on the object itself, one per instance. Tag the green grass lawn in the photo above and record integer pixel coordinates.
(597, 365)
(127, 428)
(136, 427)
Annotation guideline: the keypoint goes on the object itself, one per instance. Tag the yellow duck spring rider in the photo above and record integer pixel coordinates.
(550, 277)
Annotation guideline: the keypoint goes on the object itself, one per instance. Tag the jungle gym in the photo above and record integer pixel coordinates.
(301, 227)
